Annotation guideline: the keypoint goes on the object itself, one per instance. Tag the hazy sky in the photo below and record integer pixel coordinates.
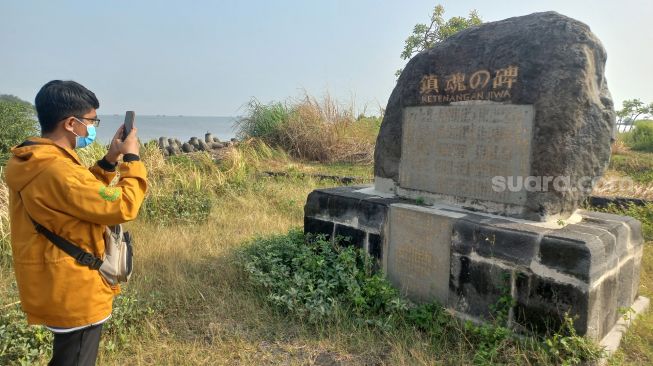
(211, 57)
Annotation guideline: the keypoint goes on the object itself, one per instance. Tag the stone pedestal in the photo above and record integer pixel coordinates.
(587, 266)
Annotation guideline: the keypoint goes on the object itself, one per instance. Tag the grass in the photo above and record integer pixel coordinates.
(630, 173)
(637, 165)
(626, 159)
(317, 130)
(637, 344)
(198, 307)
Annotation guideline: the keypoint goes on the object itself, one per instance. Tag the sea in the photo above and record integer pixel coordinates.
(181, 127)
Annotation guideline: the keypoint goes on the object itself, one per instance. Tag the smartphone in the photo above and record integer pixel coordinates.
(129, 123)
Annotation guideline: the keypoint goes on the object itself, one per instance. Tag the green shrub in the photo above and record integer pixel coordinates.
(642, 136)
(18, 123)
(565, 347)
(315, 279)
(321, 281)
(21, 344)
(490, 341)
(263, 120)
(127, 319)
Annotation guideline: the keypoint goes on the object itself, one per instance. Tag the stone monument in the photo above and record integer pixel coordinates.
(489, 143)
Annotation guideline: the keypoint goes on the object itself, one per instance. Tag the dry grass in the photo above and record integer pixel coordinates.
(211, 316)
(619, 146)
(316, 130)
(325, 131)
(618, 184)
(630, 174)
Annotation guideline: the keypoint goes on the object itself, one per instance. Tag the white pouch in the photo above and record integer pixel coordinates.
(117, 261)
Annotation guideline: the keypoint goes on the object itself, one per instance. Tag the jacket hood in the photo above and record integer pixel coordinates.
(32, 157)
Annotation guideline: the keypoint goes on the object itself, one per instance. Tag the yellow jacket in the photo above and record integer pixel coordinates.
(75, 203)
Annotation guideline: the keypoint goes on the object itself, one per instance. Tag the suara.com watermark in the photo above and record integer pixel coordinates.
(559, 183)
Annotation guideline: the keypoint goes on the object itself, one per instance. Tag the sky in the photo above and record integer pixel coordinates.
(209, 58)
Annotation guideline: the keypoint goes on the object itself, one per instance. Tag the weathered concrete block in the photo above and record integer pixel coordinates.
(317, 227)
(607, 239)
(634, 226)
(348, 205)
(618, 229)
(626, 294)
(163, 143)
(194, 141)
(575, 253)
(350, 236)
(638, 252)
(372, 213)
(316, 204)
(608, 312)
(344, 207)
(566, 255)
(489, 241)
(187, 148)
(542, 304)
(375, 244)
(203, 146)
(476, 287)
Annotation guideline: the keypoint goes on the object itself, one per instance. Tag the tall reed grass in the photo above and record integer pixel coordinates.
(311, 129)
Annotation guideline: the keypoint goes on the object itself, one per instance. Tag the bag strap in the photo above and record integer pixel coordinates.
(82, 257)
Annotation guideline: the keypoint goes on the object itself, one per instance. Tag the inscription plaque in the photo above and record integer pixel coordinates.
(457, 150)
(419, 253)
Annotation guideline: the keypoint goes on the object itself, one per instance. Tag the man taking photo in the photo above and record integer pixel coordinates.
(48, 184)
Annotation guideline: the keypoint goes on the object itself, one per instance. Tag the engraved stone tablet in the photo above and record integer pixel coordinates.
(419, 252)
(544, 61)
(457, 150)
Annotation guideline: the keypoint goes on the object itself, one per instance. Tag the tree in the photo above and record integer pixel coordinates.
(426, 36)
(17, 122)
(632, 109)
(13, 98)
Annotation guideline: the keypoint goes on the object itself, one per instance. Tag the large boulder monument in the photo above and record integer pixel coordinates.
(490, 142)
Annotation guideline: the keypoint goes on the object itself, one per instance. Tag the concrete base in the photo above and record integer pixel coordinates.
(469, 261)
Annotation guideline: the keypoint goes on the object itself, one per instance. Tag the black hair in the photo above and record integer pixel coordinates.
(59, 99)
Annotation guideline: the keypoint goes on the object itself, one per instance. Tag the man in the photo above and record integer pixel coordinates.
(48, 183)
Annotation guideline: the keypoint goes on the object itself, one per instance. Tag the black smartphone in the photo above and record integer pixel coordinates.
(129, 123)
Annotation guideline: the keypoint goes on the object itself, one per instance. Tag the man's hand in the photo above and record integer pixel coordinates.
(114, 149)
(131, 144)
(119, 147)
